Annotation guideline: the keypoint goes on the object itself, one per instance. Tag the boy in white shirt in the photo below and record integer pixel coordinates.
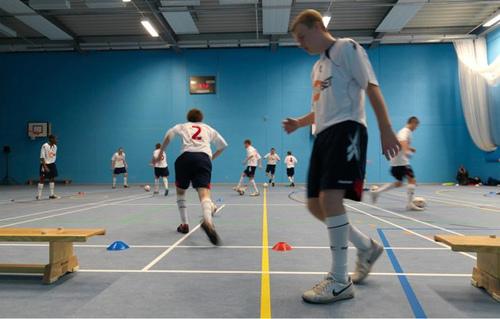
(400, 165)
(161, 169)
(272, 159)
(290, 162)
(194, 166)
(48, 168)
(252, 160)
(119, 166)
(340, 79)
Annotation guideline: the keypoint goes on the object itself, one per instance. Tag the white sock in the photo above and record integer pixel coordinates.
(241, 181)
(290, 179)
(338, 231)
(181, 204)
(165, 182)
(254, 185)
(40, 189)
(125, 181)
(114, 181)
(157, 185)
(358, 239)
(52, 186)
(411, 192)
(206, 207)
(385, 188)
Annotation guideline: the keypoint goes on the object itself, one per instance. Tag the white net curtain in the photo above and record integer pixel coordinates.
(477, 78)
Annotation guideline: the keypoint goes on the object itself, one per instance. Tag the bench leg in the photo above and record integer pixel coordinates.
(487, 273)
(61, 261)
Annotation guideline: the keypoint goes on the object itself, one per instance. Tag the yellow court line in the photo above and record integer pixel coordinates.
(265, 287)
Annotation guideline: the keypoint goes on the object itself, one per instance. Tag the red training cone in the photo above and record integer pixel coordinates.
(282, 246)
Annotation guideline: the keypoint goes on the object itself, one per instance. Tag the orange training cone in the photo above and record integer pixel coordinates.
(282, 246)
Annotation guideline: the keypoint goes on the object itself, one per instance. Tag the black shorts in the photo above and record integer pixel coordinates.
(161, 172)
(194, 168)
(52, 173)
(338, 160)
(400, 172)
(119, 170)
(290, 171)
(271, 168)
(250, 171)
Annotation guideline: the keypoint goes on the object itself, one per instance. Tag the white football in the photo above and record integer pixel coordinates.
(265, 184)
(419, 202)
(147, 188)
(373, 188)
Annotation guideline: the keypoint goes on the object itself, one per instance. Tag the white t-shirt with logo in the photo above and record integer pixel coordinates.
(119, 160)
(404, 135)
(197, 137)
(290, 161)
(254, 160)
(48, 153)
(339, 83)
(272, 159)
(163, 159)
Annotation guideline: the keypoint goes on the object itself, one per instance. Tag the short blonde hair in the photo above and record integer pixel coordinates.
(308, 18)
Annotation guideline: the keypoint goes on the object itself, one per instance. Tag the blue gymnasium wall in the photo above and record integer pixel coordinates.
(475, 159)
(98, 101)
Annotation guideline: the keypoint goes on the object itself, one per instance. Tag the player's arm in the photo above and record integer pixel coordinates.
(390, 144)
(221, 144)
(166, 140)
(291, 124)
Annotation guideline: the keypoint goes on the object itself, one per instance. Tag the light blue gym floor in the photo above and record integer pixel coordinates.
(167, 274)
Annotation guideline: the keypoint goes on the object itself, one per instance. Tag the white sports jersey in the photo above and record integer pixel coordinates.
(48, 153)
(272, 159)
(196, 137)
(119, 160)
(404, 135)
(290, 161)
(339, 82)
(163, 159)
(255, 158)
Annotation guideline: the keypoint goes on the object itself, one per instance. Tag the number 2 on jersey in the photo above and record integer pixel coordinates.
(198, 131)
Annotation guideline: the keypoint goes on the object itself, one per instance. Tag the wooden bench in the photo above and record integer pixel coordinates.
(61, 254)
(486, 274)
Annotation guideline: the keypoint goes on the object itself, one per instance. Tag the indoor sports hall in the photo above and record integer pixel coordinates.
(250, 158)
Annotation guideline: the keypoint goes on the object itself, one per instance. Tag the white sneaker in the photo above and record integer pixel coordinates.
(255, 194)
(366, 259)
(374, 196)
(54, 197)
(412, 206)
(38, 197)
(329, 290)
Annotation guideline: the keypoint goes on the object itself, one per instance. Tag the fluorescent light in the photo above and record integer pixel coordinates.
(148, 26)
(327, 16)
(492, 21)
(126, 0)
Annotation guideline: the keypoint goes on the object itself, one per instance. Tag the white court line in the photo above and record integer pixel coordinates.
(166, 252)
(406, 229)
(453, 202)
(220, 247)
(63, 208)
(71, 212)
(227, 204)
(412, 219)
(258, 272)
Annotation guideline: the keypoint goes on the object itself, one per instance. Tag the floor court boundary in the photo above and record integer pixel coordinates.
(134, 197)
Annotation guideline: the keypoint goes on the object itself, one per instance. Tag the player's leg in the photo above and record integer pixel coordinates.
(412, 184)
(125, 179)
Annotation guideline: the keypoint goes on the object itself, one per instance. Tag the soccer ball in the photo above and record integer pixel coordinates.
(419, 202)
(373, 188)
(241, 191)
(147, 188)
(265, 184)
